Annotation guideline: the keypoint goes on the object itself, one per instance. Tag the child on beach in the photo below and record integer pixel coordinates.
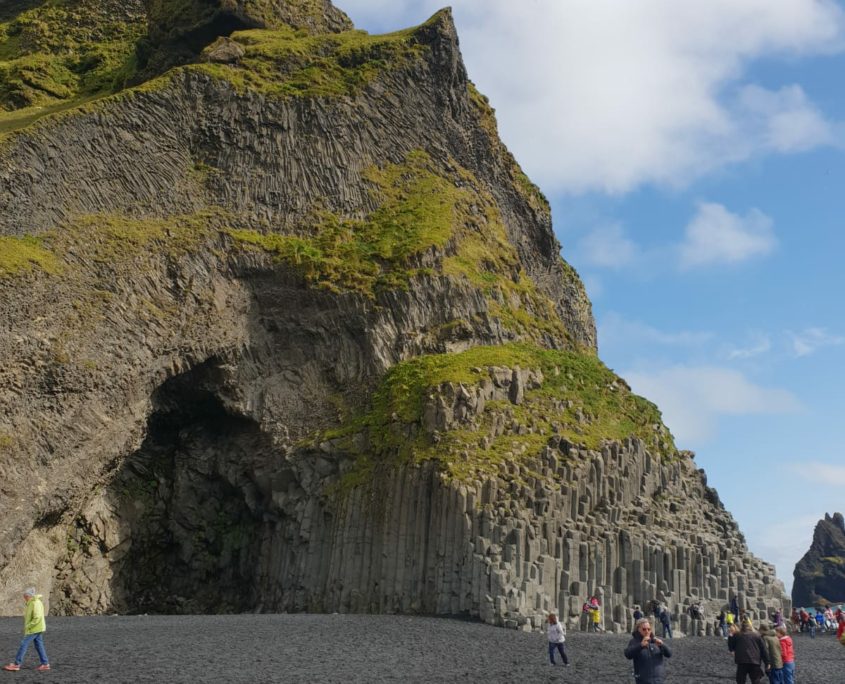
(34, 627)
(557, 636)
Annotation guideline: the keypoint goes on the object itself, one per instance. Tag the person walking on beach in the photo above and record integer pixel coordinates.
(648, 653)
(595, 616)
(787, 654)
(722, 624)
(557, 637)
(773, 654)
(666, 621)
(749, 654)
(34, 627)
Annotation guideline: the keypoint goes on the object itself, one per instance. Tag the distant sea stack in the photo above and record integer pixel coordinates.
(287, 328)
(820, 574)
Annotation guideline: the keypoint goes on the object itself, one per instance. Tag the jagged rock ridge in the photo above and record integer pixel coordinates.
(288, 328)
(820, 574)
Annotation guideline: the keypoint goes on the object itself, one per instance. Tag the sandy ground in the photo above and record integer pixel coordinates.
(358, 648)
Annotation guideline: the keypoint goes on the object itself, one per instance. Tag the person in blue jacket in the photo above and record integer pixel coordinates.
(648, 653)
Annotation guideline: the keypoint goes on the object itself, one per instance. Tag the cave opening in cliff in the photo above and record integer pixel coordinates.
(186, 506)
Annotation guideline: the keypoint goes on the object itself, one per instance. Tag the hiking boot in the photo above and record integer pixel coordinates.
(12, 667)
(43, 667)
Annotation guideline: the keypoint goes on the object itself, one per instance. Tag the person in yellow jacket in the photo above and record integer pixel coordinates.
(34, 627)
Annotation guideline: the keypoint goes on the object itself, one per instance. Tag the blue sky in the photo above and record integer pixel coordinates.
(694, 157)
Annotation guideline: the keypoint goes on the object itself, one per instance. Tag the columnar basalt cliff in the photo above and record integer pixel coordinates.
(285, 327)
(820, 574)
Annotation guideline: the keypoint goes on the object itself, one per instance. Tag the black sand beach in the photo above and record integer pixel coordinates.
(358, 648)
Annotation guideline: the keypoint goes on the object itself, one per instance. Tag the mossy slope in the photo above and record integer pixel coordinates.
(580, 399)
(288, 63)
(62, 50)
(187, 20)
(429, 221)
(60, 53)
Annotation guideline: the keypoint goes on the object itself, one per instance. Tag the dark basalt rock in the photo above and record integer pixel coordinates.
(820, 574)
(287, 328)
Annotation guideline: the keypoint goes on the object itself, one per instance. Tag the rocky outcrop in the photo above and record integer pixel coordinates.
(178, 30)
(218, 525)
(288, 329)
(820, 574)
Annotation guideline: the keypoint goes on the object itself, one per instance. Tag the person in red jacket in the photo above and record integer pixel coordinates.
(840, 632)
(788, 654)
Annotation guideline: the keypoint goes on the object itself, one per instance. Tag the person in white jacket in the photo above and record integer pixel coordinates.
(557, 636)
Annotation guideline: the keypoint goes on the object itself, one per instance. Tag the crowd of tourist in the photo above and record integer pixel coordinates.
(825, 619)
(767, 651)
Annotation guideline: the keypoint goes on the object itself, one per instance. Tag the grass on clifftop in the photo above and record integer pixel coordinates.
(61, 53)
(580, 399)
(287, 63)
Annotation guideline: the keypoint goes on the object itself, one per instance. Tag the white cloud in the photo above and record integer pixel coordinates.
(615, 329)
(693, 397)
(822, 474)
(784, 120)
(716, 235)
(759, 345)
(607, 246)
(810, 340)
(608, 95)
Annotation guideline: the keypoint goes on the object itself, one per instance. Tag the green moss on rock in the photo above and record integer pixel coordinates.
(428, 221)
(19, 255)
(418, 211)
(107, 239)
(580, 399)
(175, 20)
(63, 52)
(287, 63)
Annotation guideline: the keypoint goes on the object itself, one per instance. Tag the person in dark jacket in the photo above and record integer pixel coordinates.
(749, 654)
(648, 652)
(666, 621)
(722, 624)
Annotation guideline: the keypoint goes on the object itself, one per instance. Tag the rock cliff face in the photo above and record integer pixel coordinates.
(287, 328)
(820, 574)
